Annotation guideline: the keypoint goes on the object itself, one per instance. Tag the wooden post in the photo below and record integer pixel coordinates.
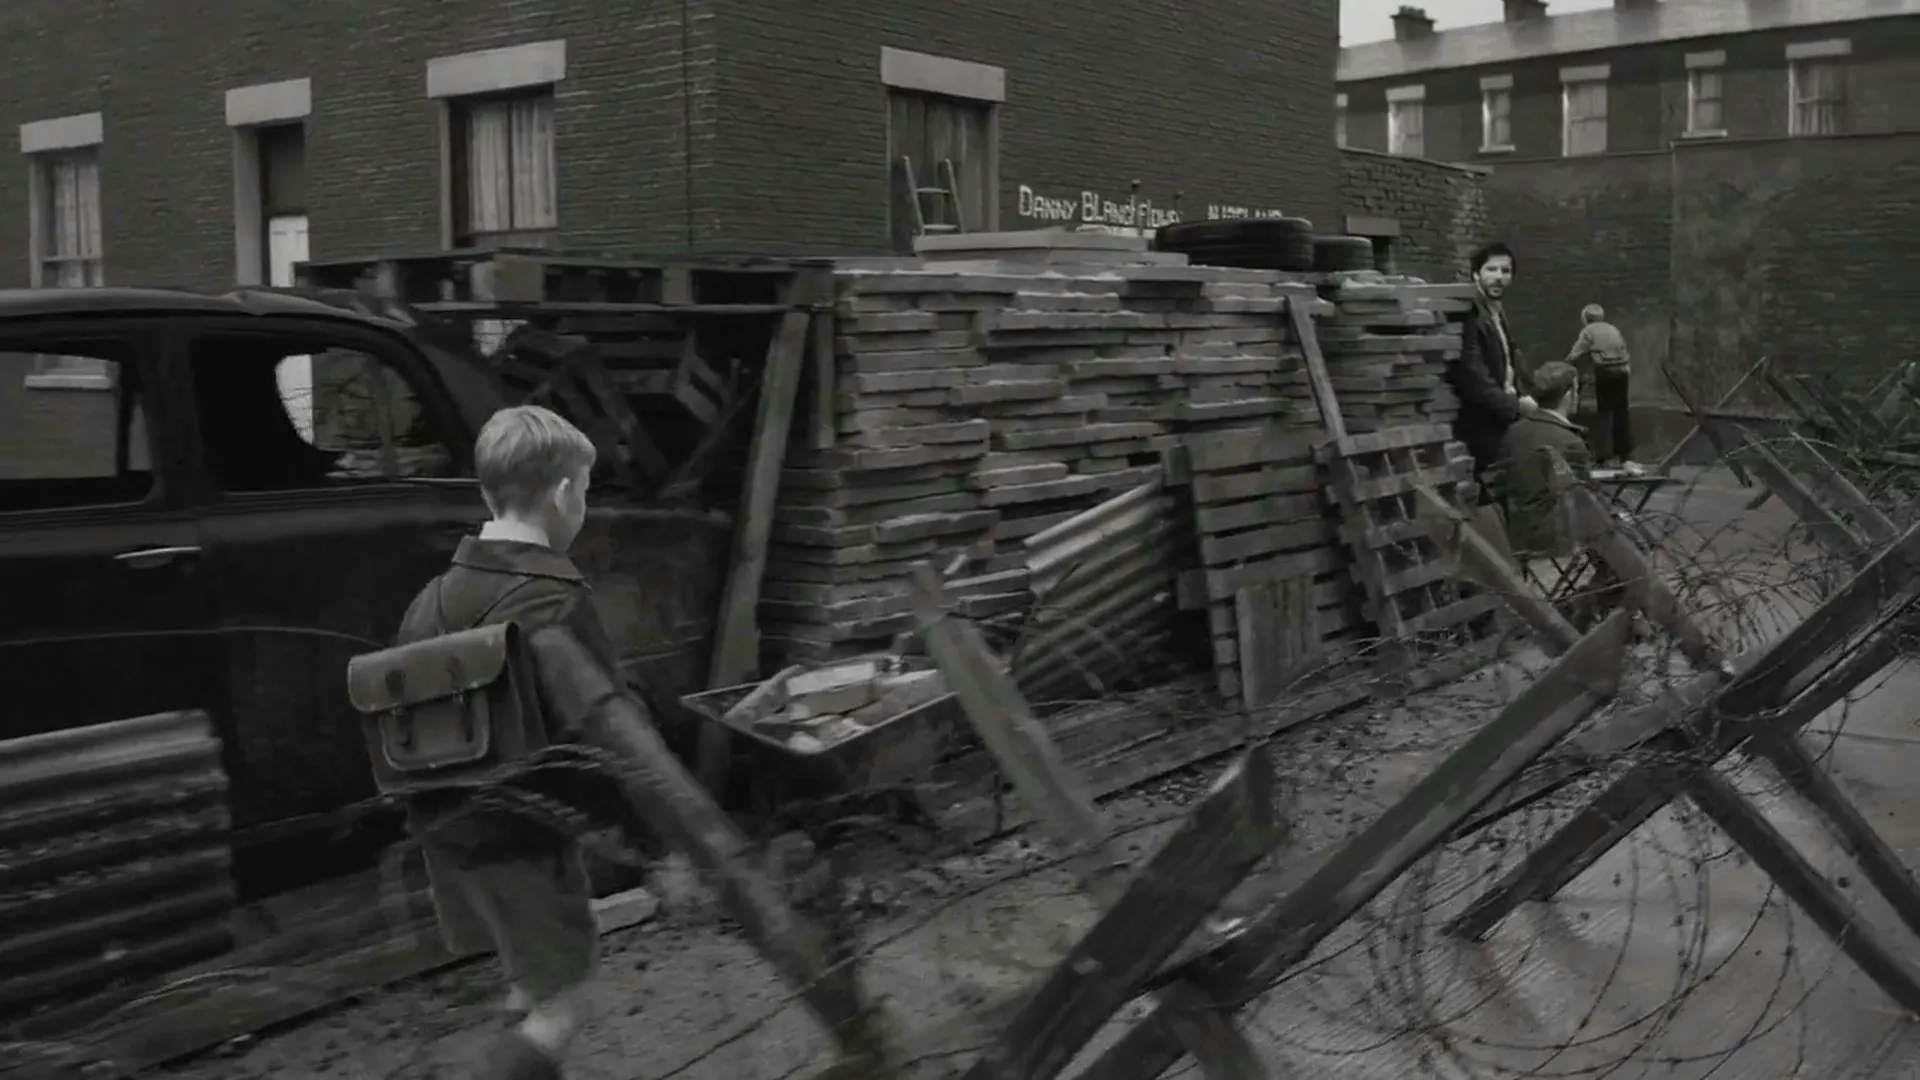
(1318, 379)
(1600, 534)
(1882, 866)
(1213, 851)
(1479, 560)
(1245, 966)
(1806, 887)
(1703, 423)
(1783, 674)
(736, 640)
(1059, 802)
(825, 382)
(1832, 533)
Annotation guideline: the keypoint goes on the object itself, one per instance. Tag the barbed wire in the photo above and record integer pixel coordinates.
(1389, 985)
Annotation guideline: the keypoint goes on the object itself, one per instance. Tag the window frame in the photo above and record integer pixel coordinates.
(1797, 69)
(396, 352)
(1694, 129)
(459, 111)
(1491, 89)
(162, 455)
(1570, 87)
(1399, 107)
(48, 372)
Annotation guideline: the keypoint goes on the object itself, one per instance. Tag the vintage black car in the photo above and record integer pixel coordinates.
(212, 501)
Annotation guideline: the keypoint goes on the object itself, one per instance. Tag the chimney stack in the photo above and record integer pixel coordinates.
(1412, 22)
(1635, 5)
(1526, 10)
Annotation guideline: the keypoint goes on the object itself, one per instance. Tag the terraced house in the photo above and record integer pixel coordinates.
(1631, 78)
(189, 142)
(1713, 172)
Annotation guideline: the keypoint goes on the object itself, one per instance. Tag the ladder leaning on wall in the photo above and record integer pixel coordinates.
(936, 209)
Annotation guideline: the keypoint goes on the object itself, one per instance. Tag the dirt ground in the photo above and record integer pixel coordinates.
(1671, 958)
(944, 929)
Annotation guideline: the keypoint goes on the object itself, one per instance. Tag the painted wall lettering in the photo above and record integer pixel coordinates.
(1217, 212)
(1092, 211)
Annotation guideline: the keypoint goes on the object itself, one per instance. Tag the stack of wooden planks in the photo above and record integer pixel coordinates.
(1264, 540)
(1387, 347)
(971, 411)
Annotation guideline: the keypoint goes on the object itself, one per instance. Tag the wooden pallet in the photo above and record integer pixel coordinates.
(483, 281)
(1269, 561)
(1410, 590)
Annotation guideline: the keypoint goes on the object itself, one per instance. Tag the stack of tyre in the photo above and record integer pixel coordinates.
(1279, 243)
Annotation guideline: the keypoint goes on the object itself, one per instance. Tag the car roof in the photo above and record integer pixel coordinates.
(120, 300)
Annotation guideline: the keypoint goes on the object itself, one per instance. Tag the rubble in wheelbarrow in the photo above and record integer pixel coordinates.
(811, 709)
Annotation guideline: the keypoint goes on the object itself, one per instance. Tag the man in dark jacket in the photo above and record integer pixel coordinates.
(1486, 377)
(1530, 483)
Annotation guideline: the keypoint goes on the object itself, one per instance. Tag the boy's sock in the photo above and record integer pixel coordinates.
(513, 1056)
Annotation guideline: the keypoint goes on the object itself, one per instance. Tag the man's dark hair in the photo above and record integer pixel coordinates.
(1552, 382)
(1488, 251)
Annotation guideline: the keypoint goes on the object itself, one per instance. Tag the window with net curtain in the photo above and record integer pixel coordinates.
(70, 248)
(1818, 88)
(508, 194)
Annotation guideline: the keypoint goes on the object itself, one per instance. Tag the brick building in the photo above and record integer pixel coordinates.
(197, 143)
(1631, 78)
(1729, 178)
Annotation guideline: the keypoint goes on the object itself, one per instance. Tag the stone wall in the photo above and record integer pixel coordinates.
(1712, 255)
(1440, 210)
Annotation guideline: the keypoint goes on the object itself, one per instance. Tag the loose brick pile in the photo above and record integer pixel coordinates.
(975, 410)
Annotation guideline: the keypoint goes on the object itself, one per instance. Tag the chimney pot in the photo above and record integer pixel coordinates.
(1412, 22)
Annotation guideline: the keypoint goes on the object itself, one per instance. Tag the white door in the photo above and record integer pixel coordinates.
(287, 245)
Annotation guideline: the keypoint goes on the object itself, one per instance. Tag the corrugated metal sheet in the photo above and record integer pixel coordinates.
(1104, 587)
(114, 865)
(1493, 44)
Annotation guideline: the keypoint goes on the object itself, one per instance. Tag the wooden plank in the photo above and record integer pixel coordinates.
(1701, 423)
(1807, 887)
(736, 652)
(1057, 796)
(1832, 533)
(1784, 672)
(1485, 565)
(825, 381)
(1317, 377)
(1882, 866)
(1242, 968)
(1601, 534)
(1193, 872)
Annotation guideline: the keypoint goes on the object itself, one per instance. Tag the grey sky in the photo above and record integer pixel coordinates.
(1371, 20)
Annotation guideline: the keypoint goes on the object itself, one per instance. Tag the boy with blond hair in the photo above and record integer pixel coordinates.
(503, 881)
(1605, 364)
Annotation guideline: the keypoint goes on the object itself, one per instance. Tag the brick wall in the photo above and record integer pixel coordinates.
(1098, 95)
(1647, 92)
(690, 125)
(1441, 209)
(1795, 249)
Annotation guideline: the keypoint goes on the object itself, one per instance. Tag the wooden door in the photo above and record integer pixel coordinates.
(929, 128)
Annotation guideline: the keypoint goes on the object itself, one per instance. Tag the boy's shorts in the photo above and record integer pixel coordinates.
(520, 889)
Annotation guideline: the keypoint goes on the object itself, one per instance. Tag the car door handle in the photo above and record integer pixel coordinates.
(148, 558)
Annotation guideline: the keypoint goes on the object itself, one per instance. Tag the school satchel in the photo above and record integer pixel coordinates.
(446, 711)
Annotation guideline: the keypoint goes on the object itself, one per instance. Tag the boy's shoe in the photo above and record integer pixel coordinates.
(514, 1057)
(1633, 468)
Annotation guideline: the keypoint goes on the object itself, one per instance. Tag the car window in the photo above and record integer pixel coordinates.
(278, 414)
(73, 427)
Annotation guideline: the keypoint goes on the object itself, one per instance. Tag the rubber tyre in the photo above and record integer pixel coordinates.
(1335, 254)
